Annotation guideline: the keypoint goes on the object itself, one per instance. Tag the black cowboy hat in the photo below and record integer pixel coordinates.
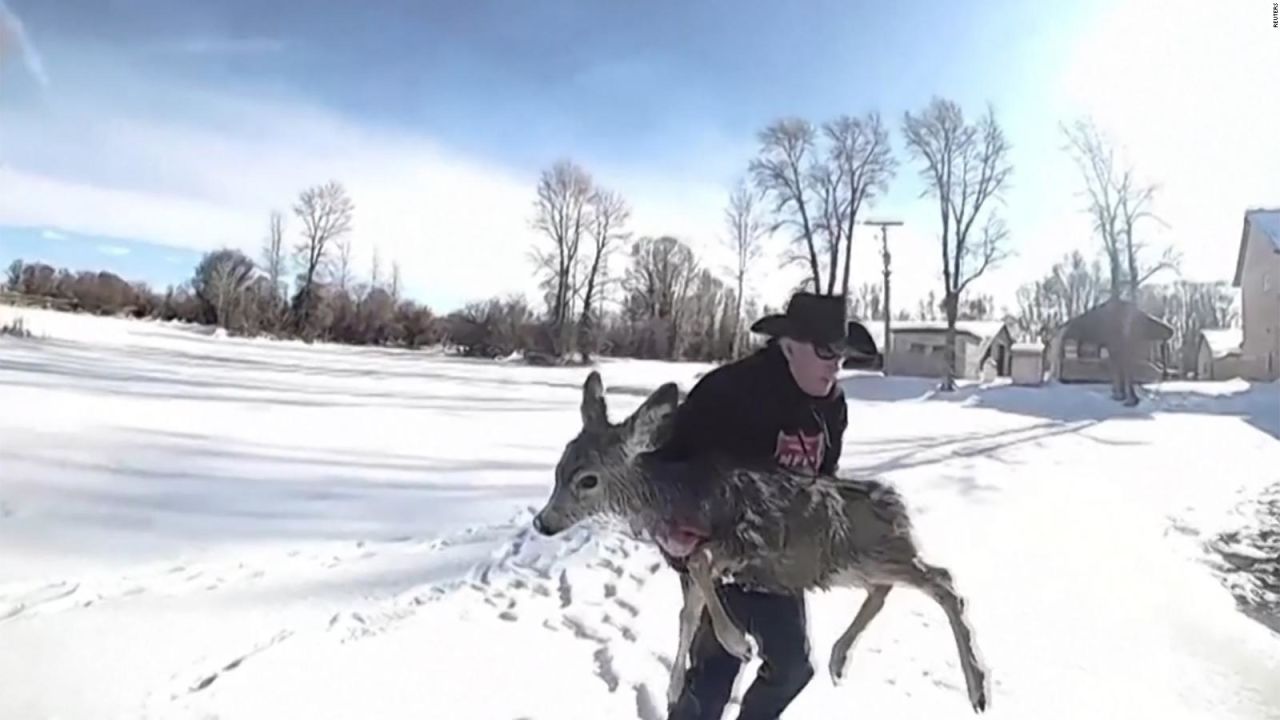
(821, 320)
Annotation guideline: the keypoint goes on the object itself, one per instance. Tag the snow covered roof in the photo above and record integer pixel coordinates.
(1223, 341)
(981, 329)
(1093, 324)
(1267, 223)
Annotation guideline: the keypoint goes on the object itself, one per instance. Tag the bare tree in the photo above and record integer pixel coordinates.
(1072, 287)
(13, 279)
(326, 213)
(375, 270)
(661, 274)
(1189, 307)
(867, 303)
(273, 251)
(1116, 203)
(965, 167)
(395, 281)
(221, 283)
(272, 264)
(605, 226)
(861, 155)
(784, 173)
(561, 214)
(818, 192)
(927, 307)
(746, 233)
(342, 270)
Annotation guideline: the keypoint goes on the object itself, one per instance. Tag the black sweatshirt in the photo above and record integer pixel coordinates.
(752, 411)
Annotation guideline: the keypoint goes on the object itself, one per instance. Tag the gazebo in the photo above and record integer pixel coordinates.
(1079, 350)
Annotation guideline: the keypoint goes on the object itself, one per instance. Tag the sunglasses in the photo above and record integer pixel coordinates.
(825, 352)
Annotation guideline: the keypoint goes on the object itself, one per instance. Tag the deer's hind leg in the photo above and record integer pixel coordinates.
(937, 583)
(690, 615)
(840, 650)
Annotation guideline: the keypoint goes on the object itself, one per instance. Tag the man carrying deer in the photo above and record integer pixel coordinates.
(782, 404)
(749, 534)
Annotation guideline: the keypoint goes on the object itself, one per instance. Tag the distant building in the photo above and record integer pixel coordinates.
(1078, 351)
(1218, 354)
(1028, 363)
(1258, 277)
(918, 348)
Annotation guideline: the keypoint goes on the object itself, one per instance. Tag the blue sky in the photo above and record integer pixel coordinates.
(160, 126)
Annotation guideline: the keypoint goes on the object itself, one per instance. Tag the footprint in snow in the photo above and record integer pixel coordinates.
(646, 703)
(628, 607)
(612, 567)
(582, 630)
(565, 590)
(625, 630)
(604, 668)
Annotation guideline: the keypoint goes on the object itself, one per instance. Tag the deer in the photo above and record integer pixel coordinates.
(765, 525)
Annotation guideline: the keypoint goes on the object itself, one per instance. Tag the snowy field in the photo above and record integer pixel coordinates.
(193, 526)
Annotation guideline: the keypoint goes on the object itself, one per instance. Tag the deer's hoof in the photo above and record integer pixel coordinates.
(837, 666)
(980, 694)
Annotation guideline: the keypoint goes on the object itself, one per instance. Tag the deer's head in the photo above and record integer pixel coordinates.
(592, 475)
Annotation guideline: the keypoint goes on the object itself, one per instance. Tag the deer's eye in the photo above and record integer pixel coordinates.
(587, 482)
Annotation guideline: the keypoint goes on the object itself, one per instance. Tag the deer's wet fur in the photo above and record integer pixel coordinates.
(762, 526)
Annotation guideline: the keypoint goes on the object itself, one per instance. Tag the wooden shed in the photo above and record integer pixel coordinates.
(918, 348)
(1218, 353)
(1028, 363)
(1078, 351)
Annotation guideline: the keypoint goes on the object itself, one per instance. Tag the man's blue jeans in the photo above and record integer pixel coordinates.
(777, 622)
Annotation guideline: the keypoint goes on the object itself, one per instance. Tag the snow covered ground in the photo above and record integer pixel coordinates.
(194, 526)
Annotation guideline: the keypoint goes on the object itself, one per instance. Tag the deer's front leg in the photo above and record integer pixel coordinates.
(731, 637)
(690, 614)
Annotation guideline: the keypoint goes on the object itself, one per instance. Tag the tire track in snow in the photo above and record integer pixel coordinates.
(180, 578)
(40, 598)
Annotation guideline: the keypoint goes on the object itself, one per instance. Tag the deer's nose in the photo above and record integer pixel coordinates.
(538, 525)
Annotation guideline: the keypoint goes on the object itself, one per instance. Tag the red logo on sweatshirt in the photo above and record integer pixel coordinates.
(800, 450)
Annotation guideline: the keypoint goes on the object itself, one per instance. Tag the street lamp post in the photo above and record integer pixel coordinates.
(884, 256)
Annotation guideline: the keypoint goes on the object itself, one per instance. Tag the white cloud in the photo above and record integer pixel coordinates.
(116, 250)
(1183, 85)
(217, 45)
(48, 234)
(14, 38)
(459, 227)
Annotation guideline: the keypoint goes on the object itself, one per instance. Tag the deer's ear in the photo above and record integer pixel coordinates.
(646, 424)
(595, 416)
